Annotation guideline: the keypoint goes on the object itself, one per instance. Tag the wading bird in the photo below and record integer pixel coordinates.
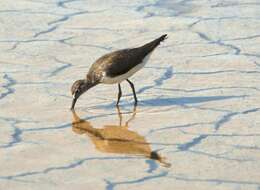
(114, 68)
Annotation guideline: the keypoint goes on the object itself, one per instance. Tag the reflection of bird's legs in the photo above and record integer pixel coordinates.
(119, 115)
(132, 117)
(75, 116)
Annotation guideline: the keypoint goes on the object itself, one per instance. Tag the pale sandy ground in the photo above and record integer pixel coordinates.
(199, 95)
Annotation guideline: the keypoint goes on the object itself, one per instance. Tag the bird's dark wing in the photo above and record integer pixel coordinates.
(120, 62)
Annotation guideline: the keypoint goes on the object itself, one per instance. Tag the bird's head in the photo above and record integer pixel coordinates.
(78, 88)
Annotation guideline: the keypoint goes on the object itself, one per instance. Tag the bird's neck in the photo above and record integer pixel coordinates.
(89, 84)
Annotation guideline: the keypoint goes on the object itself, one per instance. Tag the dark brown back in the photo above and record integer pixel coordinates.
(121, 61)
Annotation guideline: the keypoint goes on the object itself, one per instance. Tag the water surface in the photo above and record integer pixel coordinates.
(197, 122)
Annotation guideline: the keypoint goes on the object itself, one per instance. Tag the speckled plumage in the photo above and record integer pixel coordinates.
(120, 62)
(114, 68)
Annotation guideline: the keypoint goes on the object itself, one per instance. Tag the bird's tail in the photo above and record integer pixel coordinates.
(153, 44)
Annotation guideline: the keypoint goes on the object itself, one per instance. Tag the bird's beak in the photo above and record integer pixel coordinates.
(73, 102)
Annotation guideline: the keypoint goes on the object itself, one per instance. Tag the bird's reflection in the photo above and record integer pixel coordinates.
(117, 138)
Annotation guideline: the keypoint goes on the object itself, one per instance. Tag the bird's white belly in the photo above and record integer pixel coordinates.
(120, 78)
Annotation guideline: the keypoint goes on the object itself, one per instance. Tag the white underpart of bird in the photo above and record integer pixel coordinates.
(112, 80)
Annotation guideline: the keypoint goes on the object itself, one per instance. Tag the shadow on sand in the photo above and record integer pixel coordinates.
(185, 100)
(181, 101)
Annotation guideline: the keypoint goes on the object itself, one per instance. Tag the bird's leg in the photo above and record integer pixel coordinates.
(119, 94)
(133, 89)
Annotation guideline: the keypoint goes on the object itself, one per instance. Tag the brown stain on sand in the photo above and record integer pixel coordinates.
(117, 138)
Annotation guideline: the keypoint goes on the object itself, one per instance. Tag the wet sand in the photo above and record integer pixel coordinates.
(197, 122)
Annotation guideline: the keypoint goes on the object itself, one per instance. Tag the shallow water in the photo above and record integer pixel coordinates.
(197, 122)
